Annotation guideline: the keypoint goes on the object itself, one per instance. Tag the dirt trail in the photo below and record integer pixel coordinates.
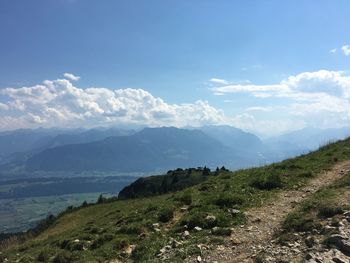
(262, 222)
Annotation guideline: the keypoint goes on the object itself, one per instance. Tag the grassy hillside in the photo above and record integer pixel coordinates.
(139, 229)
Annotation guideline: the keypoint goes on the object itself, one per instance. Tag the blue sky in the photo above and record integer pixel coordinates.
(172, 50)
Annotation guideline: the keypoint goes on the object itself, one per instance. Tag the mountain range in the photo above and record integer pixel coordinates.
(151, 149)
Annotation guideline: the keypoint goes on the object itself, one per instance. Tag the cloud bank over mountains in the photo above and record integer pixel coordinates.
(320, 98)
(59, 103)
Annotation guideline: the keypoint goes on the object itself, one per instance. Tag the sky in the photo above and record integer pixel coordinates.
(265, 66)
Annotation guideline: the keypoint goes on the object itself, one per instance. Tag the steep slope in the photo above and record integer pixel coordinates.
(148, 150)
(258, 236)
(182, 225)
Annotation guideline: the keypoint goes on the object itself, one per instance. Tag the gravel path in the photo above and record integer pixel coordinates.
(247, 240)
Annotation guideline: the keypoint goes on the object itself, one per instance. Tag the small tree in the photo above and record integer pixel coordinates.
(164, 188)
(101, 199)
(206, 171)
(175, 179)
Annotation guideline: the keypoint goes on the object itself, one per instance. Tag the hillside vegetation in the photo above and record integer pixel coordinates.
(143, 229)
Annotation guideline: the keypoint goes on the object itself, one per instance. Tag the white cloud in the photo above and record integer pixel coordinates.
(334, 50)
(3, 106)
(305, 85)
(346, 50)
(320, 98)
(70, 76)
(262, 126)
(256, 90)
(60, 103)
(259, 108)
(218, 81)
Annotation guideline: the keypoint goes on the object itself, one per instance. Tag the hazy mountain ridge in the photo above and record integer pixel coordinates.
(147, 150)
(153, 149)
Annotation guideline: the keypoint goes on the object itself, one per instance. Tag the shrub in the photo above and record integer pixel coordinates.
(151, 208)
(206, 187)
(100, 241)
(306, 174)
(62, 257)
(145, 251)
(329, 211)
(185, 198)
(300, 222)
(121, 244)
(218, 231)
(228, 200)
(193, 220)
(43, 256)
(267, 182)
(141, 253)
(198, 218)
(97, 243)
(166, 214)
(101, 199)
(131, 229)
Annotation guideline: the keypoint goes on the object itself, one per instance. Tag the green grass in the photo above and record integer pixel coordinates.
(311, 212)
(102, 232)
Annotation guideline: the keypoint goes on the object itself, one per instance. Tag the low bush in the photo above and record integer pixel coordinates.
(184, 199)
(218, 231)
(300, 222)
(121, 244)
(228, 200)
(151, 208)
(198, 218)
(43, 256)
(133, 229)
(326, 211)
(166, 214)
(62, 257)
(267, 182)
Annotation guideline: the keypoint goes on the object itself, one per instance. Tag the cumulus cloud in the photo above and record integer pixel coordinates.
(306, 85)
(3, 106)
(319, 98)
(60, 103)
(333, 50)
(346, 50)
(70, 76)
(249, 122)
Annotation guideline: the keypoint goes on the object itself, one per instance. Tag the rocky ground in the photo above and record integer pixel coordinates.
(255, 241)
(332, 244)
